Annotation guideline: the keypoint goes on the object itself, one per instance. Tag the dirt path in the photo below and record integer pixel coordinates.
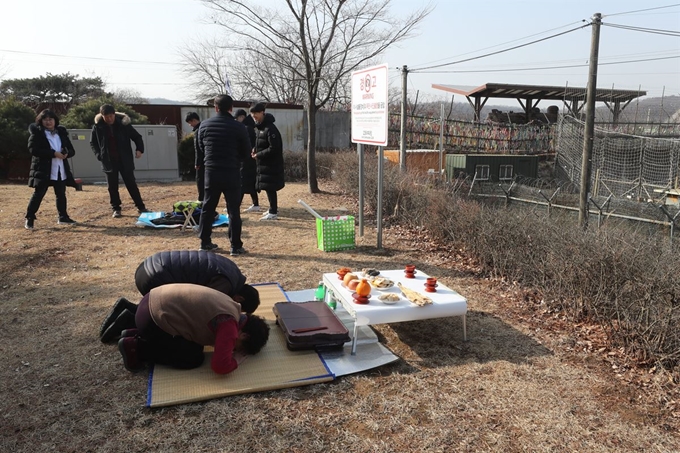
(518, 384)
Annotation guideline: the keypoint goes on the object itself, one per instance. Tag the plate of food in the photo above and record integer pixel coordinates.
(370, 272)
(389, 298)
(381, 283)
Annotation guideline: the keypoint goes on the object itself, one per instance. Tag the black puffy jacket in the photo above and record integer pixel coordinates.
(41, 162)
(269, 151)
(224, 142)
(189, 266)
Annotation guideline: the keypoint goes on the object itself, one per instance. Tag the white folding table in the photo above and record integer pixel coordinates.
(445, 302)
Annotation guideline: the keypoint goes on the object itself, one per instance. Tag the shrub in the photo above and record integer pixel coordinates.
(295, 165)
(623, 276)
(186, 156)
(15, 118)
(82, 116)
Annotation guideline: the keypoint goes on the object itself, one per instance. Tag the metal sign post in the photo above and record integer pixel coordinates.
(369, 127)
(381, 163)
(360, 152)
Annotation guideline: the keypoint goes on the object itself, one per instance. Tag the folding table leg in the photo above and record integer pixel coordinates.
(354, 338)
(463, 316)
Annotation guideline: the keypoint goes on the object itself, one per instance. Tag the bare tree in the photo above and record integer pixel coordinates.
(258, 77)
(204, 63)
(319, 42)
(129, 96)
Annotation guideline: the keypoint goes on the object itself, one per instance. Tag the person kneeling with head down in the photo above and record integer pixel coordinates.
(192, 266)
(174, 322)
(181, 266)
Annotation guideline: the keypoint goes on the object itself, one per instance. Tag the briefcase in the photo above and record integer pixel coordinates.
(310, 325)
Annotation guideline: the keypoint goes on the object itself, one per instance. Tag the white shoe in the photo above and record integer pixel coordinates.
(269, 216)
(253, 208)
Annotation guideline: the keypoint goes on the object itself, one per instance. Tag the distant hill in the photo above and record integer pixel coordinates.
(646, 110)
(163, 101)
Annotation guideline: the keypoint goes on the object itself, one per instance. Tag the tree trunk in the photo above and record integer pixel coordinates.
(311, 148)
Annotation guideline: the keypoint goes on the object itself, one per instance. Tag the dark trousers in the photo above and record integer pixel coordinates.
(253, 198)
(229, 185)
(39, 193)
(128, 176)
(273, 201)
(200, 182)
(158, 346)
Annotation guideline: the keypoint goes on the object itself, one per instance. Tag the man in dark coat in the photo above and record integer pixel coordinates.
(268, 153)
(249, 167)
(225, 145)
(193, 120)
(205, 269)
(111, 136)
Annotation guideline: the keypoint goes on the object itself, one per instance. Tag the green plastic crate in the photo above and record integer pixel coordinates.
(335, 233)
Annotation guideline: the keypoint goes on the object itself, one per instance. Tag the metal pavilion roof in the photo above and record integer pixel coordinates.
(503, 90)
(530, 95)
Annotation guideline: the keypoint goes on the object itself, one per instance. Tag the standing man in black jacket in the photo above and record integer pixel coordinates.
(111, 136)
(225, 145)
(193, 120)
(268, 152)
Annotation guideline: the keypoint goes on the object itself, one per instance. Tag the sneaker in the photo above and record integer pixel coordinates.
(120, 305)
(269, 216)
(116, 213)
(126, 320)
(208, 247)
(238, 251)
(142, 211)
(66, 221)
(29, 224)
(129, 349)
(253, 208)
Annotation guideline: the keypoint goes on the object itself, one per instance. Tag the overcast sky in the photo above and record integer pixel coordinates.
(134, 43)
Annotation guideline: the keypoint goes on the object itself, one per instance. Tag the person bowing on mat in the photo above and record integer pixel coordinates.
(174, 322)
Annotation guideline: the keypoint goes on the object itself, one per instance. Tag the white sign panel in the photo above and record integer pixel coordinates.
(369, 106)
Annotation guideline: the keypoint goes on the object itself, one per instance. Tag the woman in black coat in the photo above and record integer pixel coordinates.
(50, 147)
(269, 155)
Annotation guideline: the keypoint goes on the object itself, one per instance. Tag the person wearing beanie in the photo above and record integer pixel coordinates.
(268, 154)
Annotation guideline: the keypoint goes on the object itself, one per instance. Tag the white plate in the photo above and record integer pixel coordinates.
(389, 302)
(384, 287)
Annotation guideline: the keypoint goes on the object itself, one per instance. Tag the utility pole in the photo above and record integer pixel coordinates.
(589, 133)
(402, 132)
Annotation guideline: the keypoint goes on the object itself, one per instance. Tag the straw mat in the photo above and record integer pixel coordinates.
(275, 367)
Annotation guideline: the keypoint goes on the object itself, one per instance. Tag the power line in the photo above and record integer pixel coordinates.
(546, 67)
(85, 58)
(500, 51)
(503, 43)
(645, 30)
(641, 10)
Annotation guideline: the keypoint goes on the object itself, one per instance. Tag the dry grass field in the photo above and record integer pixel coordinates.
(525, 381)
